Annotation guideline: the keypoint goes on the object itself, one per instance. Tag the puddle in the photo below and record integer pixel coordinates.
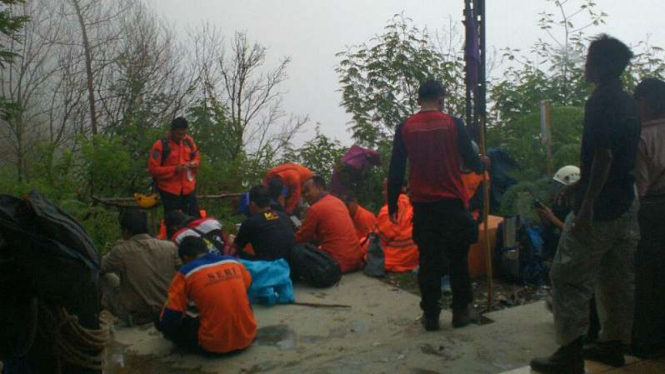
(280, 336)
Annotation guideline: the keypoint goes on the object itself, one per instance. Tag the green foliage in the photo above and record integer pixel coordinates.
(380, 81)
(521, 139)
(106, 164)
(320, 154)
(10, 26)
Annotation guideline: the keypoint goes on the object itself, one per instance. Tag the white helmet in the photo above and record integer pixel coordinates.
(567, 175)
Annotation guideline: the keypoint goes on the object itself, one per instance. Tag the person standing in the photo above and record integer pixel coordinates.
(649, 329)
(173, 163)
(600, 235)
(437, 147)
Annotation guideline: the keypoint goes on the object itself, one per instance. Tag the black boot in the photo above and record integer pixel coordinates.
(608, 353)
(566, 360)
(430, 322)
(464, 316)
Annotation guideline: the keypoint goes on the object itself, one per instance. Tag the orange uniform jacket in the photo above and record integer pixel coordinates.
(293, 177)
(397, 240)
(472, 181)
(364, 222)
(213, 288)
(168, 180)
(329, 224)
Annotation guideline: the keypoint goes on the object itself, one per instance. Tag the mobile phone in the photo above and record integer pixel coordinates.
(538, 204)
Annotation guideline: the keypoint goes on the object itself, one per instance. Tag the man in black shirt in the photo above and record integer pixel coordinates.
(600, 235)
(270, 232)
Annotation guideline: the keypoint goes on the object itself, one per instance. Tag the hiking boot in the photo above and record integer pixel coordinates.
(430, 323)
(608, 353)
(465, 316)
(566, 360)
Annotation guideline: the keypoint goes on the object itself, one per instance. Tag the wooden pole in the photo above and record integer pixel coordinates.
(481, 11)
(546, 132)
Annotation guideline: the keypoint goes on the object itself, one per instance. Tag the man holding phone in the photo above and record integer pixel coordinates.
(174, 160)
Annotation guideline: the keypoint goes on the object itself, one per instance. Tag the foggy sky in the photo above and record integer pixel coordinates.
(312, 32)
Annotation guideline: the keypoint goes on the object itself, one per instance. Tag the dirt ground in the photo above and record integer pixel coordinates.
(505, 294)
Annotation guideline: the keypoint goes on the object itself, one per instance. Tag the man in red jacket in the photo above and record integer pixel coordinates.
(437, 148)
(292, 176)
(173, 163)
(328, 225)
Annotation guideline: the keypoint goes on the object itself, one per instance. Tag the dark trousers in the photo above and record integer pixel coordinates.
(443, 231)
(187, 204)
(185, 336)
(649, 325)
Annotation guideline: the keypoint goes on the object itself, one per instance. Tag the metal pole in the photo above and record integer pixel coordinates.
(482, 114)
(469, 102)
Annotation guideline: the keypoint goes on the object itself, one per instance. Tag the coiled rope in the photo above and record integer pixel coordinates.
(73, 343)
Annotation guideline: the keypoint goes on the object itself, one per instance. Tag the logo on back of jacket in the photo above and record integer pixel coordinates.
(270, 216)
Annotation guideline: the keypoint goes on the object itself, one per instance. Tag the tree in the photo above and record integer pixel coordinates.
(553, 69)
(380, 80)
(320, 154)
(237, 78)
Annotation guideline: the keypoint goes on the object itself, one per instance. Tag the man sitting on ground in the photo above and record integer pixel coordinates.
(329, 226)
(269, 232)
(363, 219)
(180, 226)
(400, 251)
(208, 310)
(137, 272)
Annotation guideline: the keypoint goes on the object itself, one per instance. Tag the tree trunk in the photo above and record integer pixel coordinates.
(88, 66)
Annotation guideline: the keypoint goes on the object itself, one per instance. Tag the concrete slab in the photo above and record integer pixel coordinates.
(378, 334)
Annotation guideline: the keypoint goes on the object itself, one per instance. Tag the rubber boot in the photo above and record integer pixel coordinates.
(465, 316)
(430, 322)
(566, 360)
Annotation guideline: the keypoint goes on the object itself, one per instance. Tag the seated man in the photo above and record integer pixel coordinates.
(137, 272)
(270, 232)
(363, 219)
(208, 309)
(180, 226)
(329, 226)
(396, 239)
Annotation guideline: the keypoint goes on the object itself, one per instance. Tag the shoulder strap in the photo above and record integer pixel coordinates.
(166, 149)
(193, 149)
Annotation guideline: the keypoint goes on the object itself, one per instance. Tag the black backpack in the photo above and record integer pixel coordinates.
(313, 266)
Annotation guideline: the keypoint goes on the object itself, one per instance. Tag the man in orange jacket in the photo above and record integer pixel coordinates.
(400, 251)
(173, 163)
(208, 310)
(329, 226)
(363, 219)
(292, 176)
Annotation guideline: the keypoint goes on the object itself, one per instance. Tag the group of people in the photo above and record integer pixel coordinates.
(621, 189)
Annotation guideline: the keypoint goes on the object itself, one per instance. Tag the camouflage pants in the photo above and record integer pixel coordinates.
(601, 262)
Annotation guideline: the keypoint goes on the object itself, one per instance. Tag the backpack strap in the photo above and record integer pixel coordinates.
(166, 149)
(193, 150)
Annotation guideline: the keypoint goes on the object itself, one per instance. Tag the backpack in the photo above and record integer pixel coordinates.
(313, 266)
(376, 259)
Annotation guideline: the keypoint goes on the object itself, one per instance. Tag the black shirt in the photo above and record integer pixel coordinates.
(610, 122)
(270, 233)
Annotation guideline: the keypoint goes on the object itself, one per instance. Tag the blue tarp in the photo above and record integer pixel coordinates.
(271, 282)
